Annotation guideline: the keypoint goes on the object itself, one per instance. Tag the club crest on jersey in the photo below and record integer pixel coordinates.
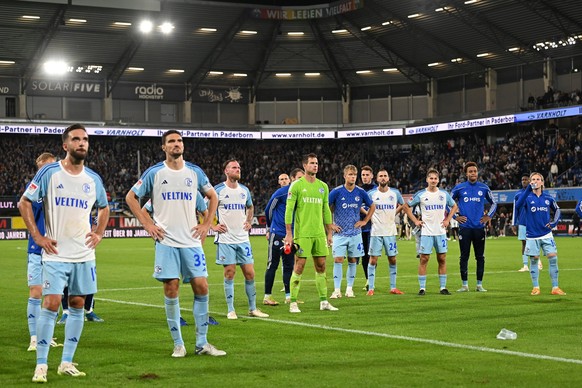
(547, 202)
(243, 195)
(86, 188)
(276, 243)
(188, 182)
(46, 285)
(480, 193)
(357, 198)
(321, 190)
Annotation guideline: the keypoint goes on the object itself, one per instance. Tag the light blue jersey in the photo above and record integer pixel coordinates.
(346, 208)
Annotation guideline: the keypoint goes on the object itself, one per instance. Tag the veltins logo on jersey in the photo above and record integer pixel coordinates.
(86, 188)
(32, 188)
(188, 182)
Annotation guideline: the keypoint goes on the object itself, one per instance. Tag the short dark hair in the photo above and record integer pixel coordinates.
(296, 171)
(227, 162)
(72, 128)
(168, 133)
(469, 164)
(306, 157)
(367, 168)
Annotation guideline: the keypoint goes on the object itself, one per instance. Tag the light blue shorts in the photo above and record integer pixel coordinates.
(546, 245)
(227, 254)
(81, 278)
(521, 230)
(386, 242)
(351, 246)
(428, 242)
(34, 269)
(173, 263)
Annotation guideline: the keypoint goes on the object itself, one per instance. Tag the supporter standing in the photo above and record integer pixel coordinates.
(470, 197)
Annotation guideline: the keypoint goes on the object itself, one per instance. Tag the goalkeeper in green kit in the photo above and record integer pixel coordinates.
(308, 211)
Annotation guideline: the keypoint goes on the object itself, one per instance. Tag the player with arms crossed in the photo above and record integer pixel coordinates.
(388, 203)
(68, 190)
(433, 207)
(345, 202)
(537, 206)
(173, 186)
(308, 211)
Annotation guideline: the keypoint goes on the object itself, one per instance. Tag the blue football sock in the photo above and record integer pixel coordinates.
(73, 330)
(422, 281)
(229, 294)
(251, 291)
(534, 272)
(371, 276)
(443, 281)
(200, 310)
(393, 271)
(173, 318)
(351, 274)
(554, 270)
(466, 283)
(337, 275)
(525, 259)
(33, 313)
(45, 327)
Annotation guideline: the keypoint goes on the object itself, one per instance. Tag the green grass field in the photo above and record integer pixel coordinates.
(379, 341)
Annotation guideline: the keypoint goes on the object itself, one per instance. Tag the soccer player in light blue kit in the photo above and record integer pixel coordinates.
(345, 202)
(470, 197)
(34, 268)
(173, 186)
(69, 190)
(518, 225)
(538, 206)
(383, 233)
(433, 203)
(235, 215)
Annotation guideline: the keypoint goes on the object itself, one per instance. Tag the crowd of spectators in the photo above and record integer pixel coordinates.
(554, 152)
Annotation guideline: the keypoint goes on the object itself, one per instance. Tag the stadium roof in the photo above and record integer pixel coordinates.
(384, 42)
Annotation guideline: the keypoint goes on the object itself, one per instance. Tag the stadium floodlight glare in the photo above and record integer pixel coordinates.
(386, 23)
(312, 74)
(295, 33)
(470, 1)
(239, 75)
(7, 62)
(208, 29)
(512, 49)
(30, 17)
(146, 26)
(363, 72)
(483, 55)
(433, 64)
(55, 67)
(390, 69)
(213, 72)
(365, 28)
(414, 15)
(340, 31)
(73, 20)
(122, 24)
(457, 60)
(166, 27)
(177, 71)
(248, 32)
(283, 74)
(132, 68)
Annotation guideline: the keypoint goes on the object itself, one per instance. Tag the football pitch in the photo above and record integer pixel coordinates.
(379, 341)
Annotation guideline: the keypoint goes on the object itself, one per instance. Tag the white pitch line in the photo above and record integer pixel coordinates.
(384, 335)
